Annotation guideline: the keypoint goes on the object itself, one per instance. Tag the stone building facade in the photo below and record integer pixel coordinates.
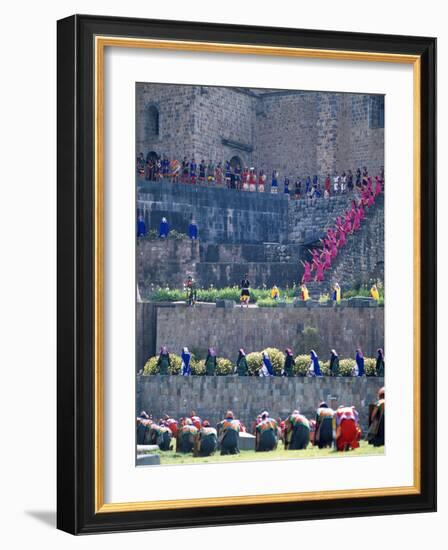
(296, 132)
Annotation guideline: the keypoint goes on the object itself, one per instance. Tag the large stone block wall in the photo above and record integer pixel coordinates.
(254, 329)
(169, 262)
(296, 132)
(193, 121)
(210, 397)
(222, 215)
(165, 262)
(285, 131)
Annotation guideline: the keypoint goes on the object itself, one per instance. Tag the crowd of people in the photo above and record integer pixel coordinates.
(335, 238)
(235, 176)
(338, 429)
(241, 367)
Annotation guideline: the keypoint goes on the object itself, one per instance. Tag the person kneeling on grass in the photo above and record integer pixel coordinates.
(347, 432)
(186, 436)
(375, 435)
(161, 436)
(297, 431)
(324, 426)
(266, 433)
(228, 430)
(206, 441)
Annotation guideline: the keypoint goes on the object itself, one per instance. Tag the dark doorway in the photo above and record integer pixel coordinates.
(235, 162)
(152, 155)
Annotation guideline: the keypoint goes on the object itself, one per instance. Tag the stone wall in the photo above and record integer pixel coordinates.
(299, 133)
(222, 215)
(362, 261)
(168, 262)
(210, 397)
(254, 329)
(165, 262)
(194, 120)
(309, 219)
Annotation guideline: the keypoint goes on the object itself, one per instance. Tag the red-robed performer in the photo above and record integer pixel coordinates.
(346, 425)
(306, 278)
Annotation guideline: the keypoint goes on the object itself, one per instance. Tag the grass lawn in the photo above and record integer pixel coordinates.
(171, 457)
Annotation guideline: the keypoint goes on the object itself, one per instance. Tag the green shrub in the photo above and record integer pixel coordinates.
(325, 367)
(224, 366)
(198, 367)
(266, 302)
(254, 362)
(370, 366)
(277, 359)
(151, 365)
(301, 365)
(346, 367)
(168, 295)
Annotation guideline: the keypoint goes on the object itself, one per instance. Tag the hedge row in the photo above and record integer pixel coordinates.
(225, 367)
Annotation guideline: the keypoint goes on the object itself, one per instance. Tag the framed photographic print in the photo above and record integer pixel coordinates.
(246, 260)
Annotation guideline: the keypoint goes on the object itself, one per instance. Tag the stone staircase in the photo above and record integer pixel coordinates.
(361, 261)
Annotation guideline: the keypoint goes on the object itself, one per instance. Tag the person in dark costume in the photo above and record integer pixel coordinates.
(334, 363)
(161, 436)
(202, 171)
(141, 226)
(375, 433)
(210, 363)
(164, 228)
(190, 287)
(288, 367)
(241, 364)
(143, 428)
(186, 436)
(266, 433)
(324, 426)
(379, 367)
(164, 361)
(186, 362)
(229, 430)
(297, 431)
(193, 169)
(245, 291)
(206, 441)
(193, 230)
(360, 362)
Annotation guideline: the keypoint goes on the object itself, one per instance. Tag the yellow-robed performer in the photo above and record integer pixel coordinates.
(374, 293)
(305, 293)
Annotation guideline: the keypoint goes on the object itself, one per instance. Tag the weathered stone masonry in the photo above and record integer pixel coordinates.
(175, 326)
(210, 397)
(298, 133)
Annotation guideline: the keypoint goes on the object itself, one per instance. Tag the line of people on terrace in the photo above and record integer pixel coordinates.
(339, 429)
(234, 176)
(241, 367)
(336, 236)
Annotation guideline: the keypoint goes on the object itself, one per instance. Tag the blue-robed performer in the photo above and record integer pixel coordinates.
(141, 226)
(186, 358)
(193, 230)
(314, 369)
(360, 362)
(266, 368)
(164, 228)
